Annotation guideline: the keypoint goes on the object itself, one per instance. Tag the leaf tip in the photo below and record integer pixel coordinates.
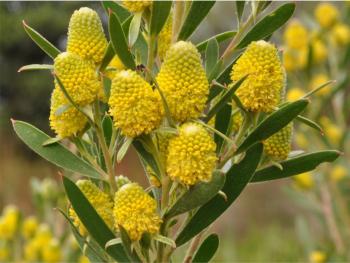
(13, 121)
(24, 23)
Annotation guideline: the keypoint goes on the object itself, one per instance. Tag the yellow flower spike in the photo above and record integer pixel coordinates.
(295, 59)
(164, 38)
(65, 119)
(114, 67)
(134, 106)
(183, 81)
(237, 120)
(260, 92)
(78, 76)
(304, 181)
(9, 222)
(85, 35)
(341, 34)
(135, 211)
(338, 173)
(317, 256)
(102, 203)
(319, 51)
(326, 14)
(294, 94)
(317, 80)
(278, 145)
(29, 227)
(136, 6)
(191, 155)
(51, 252)
(296, 35)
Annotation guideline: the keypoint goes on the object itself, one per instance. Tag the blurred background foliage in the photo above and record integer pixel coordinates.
(266, 224)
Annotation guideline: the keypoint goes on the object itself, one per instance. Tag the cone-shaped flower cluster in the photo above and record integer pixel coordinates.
(191, 155)
(237, 120)
(164, 38)
(278, 146)
(85, 35)
(296, 35)
(136, 6)
(262, 88)
(99, 200)
(135, 211)
(135, 107)
(326, 14)
(183, 81)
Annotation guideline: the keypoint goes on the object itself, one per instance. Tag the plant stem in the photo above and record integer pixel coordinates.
(193, 247)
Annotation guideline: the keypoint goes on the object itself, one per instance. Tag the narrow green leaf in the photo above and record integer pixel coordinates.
(197, 195)
(119, 42)
(309, 123)
(108, 56)
(126, 243)
(262, 5)
(207, 249)
(35, 67)
(219, 38)
(198, 11)
(318, 88)
(239, 9)
(211, 56)
(117, 9)
(214, 91)
(301, 164)
(165, 240)
(113, 241)
(54, 153)
(227, 97)
(42, 42)
(268, 24)
(51, 141)
(107, 83)
(160, 13)
(273, 123)
(124, 149)
(134, 28)
(107, 126)
(96, 227)
(222, 124)
(237, 178)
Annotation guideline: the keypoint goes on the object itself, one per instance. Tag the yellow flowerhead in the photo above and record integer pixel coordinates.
(317, 256)
(294, 94)
(136, 6)
(52, 252)
(83, 259)
(9, 222)
(78, 77)
(301, 140)
(294, 59)
(183, 81)
(318, 80)
(121, 180)
(326, 14)
(296, 35)
(135, 107)
(341, 34)
(164, 38)
(331, 130)
(114, 66)
(102, 203)
(135, 211)
(29, 227)
(85, 35)
(304, 181)
(278, 145)
(261, 90)
(65, 119)
(319, 51)
(338, 173)
(237, 120)
(191, 155)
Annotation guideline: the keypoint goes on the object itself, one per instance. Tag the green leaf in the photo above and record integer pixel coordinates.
(35, 67)
(207, 249)
(273, 123)
(42, 42)
(134, 28)
(239, 9)
(160, 13)
(214, 91)
(51, 141)
(268, 24)
(222, 124)
(108, 56)
(262, 5)
(107, 83)
(96, 227)
(117, 9)
(211, 56)
(198, 11)
(127, 245)
(54, 153)
(237, 178)
(219, 38)
(107, 126)
(227, 97)
(165, 240)
(119, 42)
(113, 241)
(197, 195)
(124, 149)
(309, 123)
(301, 164)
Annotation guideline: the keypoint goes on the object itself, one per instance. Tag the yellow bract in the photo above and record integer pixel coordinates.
(135, 211)
(266, 77)
(135, 107)
(136, 6)
(183, 81)
(85, 35)
(326, 14)
(191, 155)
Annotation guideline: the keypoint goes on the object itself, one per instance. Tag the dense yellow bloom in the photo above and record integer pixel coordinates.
(65, 119)
(295, 59)
(295, 93)
(304, 181)
(317, 257)
(121, 180)
(237, 120)
(326, 14)
(114, 66)
(135, 211)
(78, 77)
(338, 173)
(341, 34)
(51, 252)
(266, 77)
(102, 203)
(85, 35)
(296, 35)
(319, 51)
(33, 249)
(135, 107)
(278, 145)
(183, 81)
(191, 155)
(318, 80)
(331, 130)
(164, 38)
(29, 227)
(136, 6)
(9, 222)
